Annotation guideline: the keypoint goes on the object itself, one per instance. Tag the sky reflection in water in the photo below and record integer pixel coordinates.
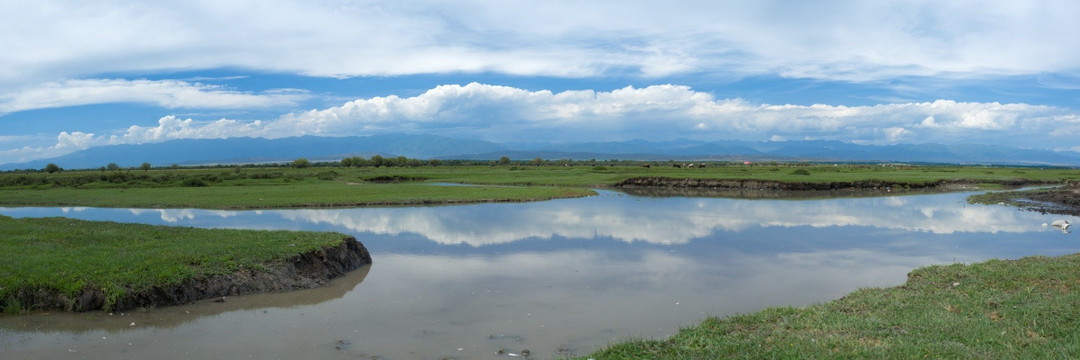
(572, 274)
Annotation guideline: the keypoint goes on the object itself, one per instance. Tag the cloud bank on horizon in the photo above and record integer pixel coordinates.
(1001, 72)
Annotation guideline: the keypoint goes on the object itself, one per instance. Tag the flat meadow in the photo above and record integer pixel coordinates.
(331, 185)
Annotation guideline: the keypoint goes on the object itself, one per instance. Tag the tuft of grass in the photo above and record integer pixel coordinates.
(68, 256)
(14, 306)
(1018, 309)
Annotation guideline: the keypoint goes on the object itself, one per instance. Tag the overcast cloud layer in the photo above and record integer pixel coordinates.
(64, 54)
(855, 40)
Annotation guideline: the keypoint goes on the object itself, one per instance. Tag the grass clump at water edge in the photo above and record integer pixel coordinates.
(68, 256)
(1023, 308)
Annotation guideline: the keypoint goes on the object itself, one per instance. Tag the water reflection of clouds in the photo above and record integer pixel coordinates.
(553, 297)
(889, 213)
(671, 220)
(504, 225)
(177, 215)
(414, 305)
(569, 291)
(629, 219)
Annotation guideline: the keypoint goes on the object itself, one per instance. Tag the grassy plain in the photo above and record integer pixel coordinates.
(67, 255)
(999, 309)
(277, 187)
(310, 194)
(253, 188)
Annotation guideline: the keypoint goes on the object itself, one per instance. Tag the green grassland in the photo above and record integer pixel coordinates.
(277, 187)
(999, 309)
(67, 256)
(303, 194)
(251, 188)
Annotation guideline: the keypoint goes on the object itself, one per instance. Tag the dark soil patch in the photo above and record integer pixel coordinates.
(752, 184)
(393, 178)
(1061, 201)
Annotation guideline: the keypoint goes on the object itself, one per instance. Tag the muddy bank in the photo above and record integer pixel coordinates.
(305, 271)
(752, 184)
(1065, 201)
(1062, 201)
(767, 194)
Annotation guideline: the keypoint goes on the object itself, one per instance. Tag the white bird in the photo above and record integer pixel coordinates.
(1063, 225)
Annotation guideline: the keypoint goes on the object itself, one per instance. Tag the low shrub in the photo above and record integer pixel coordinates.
(194, 182)
(327, 175)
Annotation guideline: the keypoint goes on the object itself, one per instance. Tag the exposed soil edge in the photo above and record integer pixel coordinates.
(733, 184)
(304, 271)
(1061, 201)
(1066, 201)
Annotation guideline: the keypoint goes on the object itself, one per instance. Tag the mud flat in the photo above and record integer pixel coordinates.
(1059, 200)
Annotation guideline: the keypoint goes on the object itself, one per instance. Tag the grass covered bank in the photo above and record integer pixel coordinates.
(281, 187)
(264, 187)
(1011, 309)
(310, 194)
(71, 264)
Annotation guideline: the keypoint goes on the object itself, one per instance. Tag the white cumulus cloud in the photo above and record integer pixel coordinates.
(76, 140)
(659, 112)
(172, 128)
(665, 112)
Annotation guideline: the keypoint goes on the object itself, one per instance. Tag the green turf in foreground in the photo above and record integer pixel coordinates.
(999, 309)
(69, 255)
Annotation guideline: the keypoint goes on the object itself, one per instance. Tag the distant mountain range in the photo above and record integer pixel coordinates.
(259, 150)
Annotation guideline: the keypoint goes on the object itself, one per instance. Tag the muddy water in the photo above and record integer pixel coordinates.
(558, 278)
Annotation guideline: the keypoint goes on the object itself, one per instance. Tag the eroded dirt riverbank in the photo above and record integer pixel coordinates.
(1058, 200)
(1061, 201)
(308, 270)
(754, 184)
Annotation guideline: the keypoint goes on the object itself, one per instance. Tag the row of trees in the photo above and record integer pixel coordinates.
(400, 161)
(53, 168)
(354, 161)
(378, 160)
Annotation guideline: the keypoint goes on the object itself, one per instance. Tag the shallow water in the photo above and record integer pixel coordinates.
(558, 278)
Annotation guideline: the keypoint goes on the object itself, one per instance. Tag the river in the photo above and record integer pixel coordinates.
(557, 278)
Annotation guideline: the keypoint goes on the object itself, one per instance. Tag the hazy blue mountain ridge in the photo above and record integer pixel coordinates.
(257, 150)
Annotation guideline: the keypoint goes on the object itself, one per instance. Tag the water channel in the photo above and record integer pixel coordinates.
(559, 278)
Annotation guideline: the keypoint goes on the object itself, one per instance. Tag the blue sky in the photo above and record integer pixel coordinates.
(75, 75)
